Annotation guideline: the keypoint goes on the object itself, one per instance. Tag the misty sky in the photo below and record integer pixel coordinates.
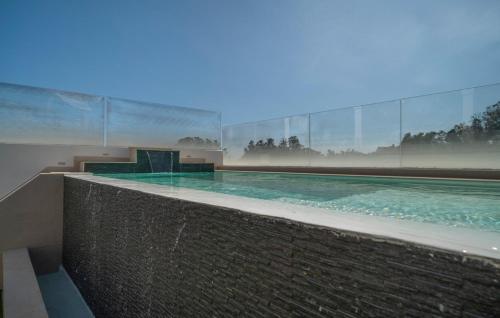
(251, 59)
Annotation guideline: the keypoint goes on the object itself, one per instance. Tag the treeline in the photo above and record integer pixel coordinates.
(484, 129)
(284, 147)
(198, 142)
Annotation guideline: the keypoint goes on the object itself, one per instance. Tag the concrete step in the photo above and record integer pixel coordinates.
(21, 294)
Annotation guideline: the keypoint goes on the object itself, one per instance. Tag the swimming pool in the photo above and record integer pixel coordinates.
(455, 203)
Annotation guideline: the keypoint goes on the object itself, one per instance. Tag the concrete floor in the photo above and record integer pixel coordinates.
(61, 297)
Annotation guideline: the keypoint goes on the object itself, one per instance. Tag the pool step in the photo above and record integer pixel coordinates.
(21, 294)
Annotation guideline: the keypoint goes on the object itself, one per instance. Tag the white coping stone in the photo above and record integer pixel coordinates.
(466, 241)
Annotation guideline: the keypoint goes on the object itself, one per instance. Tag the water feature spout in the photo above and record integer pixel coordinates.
(150, 163)
(171, 162)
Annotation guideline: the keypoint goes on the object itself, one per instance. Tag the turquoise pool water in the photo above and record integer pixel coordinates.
(458, 203)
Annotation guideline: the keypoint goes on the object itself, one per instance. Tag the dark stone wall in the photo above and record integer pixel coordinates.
(133, 254)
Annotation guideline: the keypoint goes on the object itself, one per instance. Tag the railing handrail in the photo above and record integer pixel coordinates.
(55, 90)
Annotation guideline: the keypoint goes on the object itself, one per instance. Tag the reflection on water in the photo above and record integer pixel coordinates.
(473, 204)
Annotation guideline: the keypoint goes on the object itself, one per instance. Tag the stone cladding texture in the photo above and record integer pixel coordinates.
(133, 254)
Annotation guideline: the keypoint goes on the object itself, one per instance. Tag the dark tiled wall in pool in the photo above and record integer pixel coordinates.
(149, 161)
(133, 254)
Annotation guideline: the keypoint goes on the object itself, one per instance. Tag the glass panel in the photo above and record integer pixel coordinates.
(381, 133)
(333, 136)
(236, 139)
(363, 136)
(280, 142)
(30, 115)
(132, 123)
(452, 130)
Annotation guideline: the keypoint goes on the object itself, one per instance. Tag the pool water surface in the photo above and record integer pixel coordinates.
(456, 203)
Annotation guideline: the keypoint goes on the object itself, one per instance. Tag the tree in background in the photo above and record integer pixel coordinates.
(198, 142)
(483, 129)
(491, 122)
(286, 147)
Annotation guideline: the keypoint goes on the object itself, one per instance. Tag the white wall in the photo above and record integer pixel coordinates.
(18, 163)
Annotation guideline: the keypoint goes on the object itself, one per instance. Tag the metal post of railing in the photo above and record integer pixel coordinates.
(309, 138)
(220, 132)
(400, 133)
(105, 126)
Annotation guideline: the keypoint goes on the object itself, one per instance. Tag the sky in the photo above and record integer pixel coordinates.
(253, 59)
